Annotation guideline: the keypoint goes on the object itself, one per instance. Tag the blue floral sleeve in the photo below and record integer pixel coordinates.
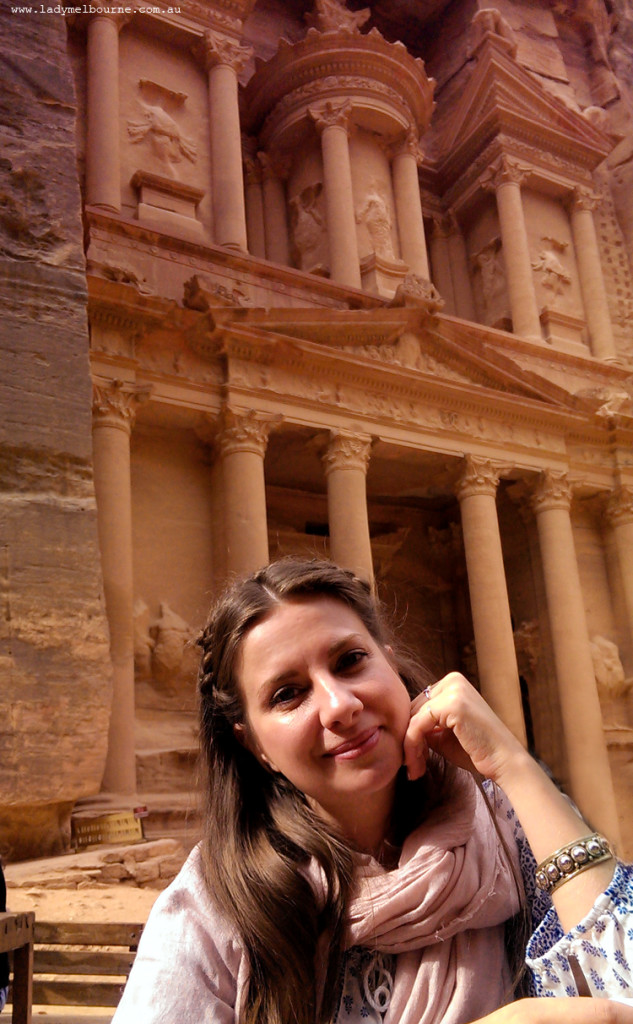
(601, 944)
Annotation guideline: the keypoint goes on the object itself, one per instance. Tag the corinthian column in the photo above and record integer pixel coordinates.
(594, 293)
(332, 123)
(103, 187)
(441, 262)
(114, 408)
(496, 657)
(619, 515)
(241, 443)
(254, 207)
(275, 210)
(224, 60)
(506, 178)
(589, 770)
(406, 190)
(345, 462)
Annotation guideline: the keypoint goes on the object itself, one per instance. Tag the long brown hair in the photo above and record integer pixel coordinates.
(260, 829)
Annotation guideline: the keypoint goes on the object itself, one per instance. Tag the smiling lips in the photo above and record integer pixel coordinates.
(357, 746)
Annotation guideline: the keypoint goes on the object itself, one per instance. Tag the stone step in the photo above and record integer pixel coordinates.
(172, 815)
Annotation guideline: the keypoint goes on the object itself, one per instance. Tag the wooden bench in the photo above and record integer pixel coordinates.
(78, 967)
(16, 938)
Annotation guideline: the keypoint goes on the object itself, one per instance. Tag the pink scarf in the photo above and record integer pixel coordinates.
(442, 911)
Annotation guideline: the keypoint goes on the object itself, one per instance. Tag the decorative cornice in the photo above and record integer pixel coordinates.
(479, 476)
(244, 431)
(114, 404)
(346, 451)
(552, 491)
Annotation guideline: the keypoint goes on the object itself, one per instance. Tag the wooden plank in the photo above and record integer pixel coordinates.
(15, 930)
(98, 933)
(64, 992)
(84, 961)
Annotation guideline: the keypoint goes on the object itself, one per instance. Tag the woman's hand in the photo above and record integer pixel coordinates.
(453, 719)
(579, 1010)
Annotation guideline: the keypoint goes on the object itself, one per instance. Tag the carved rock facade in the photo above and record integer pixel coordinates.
(364, 291)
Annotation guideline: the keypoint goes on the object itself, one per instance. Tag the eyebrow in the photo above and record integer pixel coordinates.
(333, 649)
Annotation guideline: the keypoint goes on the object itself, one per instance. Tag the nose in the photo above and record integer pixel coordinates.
(337, 703)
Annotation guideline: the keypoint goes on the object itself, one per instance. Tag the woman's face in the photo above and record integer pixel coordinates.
(325, 707)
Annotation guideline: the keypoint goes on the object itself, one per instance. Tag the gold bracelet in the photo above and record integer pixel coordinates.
(571, 859)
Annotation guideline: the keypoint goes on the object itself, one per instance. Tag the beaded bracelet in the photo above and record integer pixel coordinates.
(570, 860)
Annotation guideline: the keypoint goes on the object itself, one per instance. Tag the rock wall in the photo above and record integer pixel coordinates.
(54, 661)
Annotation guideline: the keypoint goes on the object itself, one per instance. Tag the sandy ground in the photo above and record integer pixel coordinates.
(122, 903)
(49, 888)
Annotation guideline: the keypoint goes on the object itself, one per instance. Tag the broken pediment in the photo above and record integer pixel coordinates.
(400, 340)
(503, 97)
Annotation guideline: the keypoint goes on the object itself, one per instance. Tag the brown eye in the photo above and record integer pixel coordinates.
(350, 660)
(285, 695)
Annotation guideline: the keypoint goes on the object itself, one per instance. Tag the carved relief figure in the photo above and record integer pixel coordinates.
(608, 667)
(143, 643)
(174, 637)
(376, 216)
(333, 16)
(168, 143)
(492, 280)
(490, 20)
(552, 271)
(307, 222)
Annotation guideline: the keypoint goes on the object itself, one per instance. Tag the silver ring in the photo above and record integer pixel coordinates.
(427, 692)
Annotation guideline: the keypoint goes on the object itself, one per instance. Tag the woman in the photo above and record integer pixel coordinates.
(352, 869)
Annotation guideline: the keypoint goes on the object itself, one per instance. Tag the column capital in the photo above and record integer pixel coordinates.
(218, 50)
(443, 225)
(619, 507)
(81, 21)
(478, 476)
(114, 404)
(253, 172)
(346, 451)
(408, 145)
(505, 170)
(552, 491)
(332, 115)
(583, 199)
(274, 165)
(244, 431)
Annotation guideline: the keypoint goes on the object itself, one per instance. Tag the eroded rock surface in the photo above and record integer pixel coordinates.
(54, 666)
